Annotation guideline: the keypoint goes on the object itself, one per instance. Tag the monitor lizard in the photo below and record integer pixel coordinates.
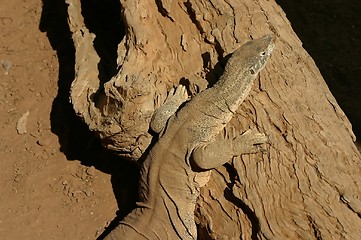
(179, 162)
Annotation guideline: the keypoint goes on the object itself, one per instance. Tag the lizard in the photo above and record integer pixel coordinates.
(180, 162)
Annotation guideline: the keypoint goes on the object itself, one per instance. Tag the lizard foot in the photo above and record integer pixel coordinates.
(178, 95)
(249, 142)
(175, 98)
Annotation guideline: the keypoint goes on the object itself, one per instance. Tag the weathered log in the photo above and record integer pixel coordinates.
(308, 184)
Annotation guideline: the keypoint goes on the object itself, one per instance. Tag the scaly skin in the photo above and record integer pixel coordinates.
(177, 165)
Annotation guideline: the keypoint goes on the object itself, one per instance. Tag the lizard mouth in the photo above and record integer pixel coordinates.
(270, 48)
(270, 39)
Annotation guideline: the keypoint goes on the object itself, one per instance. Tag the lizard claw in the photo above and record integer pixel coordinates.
(250, 142)
(171, 93)
(178, 94)
(181, 93)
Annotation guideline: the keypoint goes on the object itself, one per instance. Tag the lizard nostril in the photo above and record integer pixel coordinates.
(252, 71)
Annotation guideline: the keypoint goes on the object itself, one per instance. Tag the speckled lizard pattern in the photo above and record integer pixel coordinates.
(179, 162)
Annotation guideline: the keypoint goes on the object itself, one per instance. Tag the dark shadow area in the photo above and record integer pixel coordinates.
(228, 194)
(331, 32)
(214, 73)
(76, 140)
(103, 18)
(202, 233)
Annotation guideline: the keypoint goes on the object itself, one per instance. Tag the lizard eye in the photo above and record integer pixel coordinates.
(263, 53)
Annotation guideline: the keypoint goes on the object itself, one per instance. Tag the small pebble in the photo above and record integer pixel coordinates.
(6, 65)
(21, 124)
(43, 142)
(91, 171)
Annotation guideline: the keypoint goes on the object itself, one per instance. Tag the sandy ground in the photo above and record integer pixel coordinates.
(49, 187)
(56, 182)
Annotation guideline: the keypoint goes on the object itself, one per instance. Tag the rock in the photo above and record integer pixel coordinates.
(91, 171)
(6, 64)
(21, 123)
(44, 142)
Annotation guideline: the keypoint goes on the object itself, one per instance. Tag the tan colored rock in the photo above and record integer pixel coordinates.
(21, 123)
(308, 184)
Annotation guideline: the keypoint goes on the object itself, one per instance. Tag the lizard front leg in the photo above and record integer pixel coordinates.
(160, 117)
(219, 152)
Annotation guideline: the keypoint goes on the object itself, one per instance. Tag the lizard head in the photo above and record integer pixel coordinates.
(253, 55)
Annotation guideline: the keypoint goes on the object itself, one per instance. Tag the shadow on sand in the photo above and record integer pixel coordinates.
(76, 140)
